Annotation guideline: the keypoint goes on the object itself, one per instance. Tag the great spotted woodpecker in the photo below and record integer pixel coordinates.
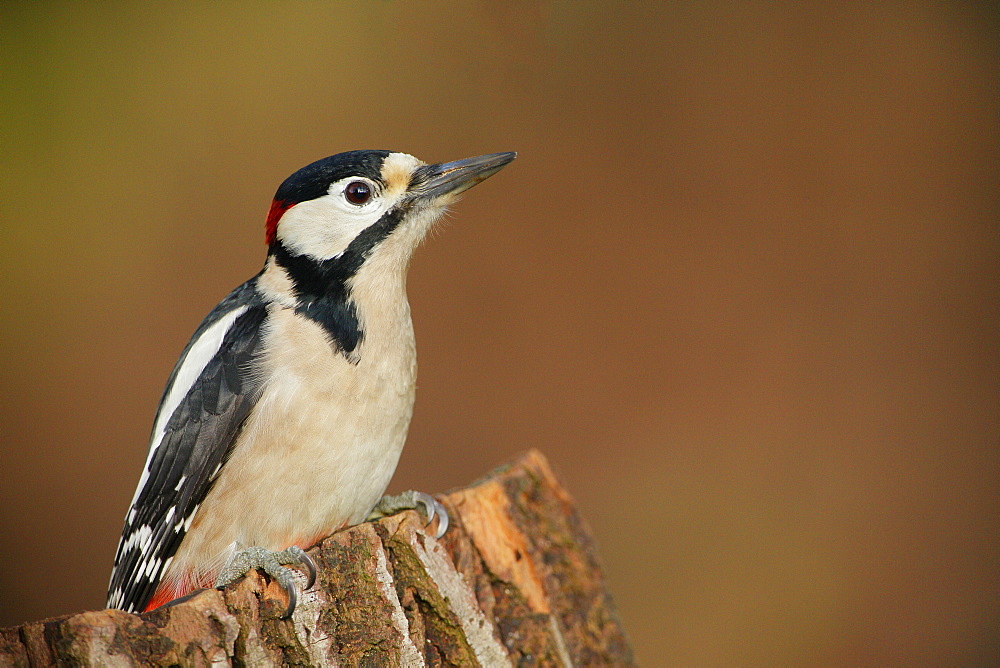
(285, 416)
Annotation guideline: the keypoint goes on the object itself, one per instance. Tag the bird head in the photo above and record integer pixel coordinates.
(347, 204)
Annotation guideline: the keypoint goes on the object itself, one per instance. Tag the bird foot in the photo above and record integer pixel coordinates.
(272, 563)
(411, 500)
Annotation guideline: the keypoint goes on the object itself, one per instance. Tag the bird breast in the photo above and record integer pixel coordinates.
(321, 444)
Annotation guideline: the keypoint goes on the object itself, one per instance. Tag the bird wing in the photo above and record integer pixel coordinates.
(209, 395)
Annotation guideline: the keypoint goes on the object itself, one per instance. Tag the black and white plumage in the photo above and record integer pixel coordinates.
(285, 415)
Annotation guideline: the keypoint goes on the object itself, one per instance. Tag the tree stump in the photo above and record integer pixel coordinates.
(515, 580)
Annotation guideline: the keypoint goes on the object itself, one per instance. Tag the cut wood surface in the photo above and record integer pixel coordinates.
(514, 581)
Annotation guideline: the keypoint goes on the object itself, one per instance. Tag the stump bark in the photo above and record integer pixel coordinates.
(515, 581)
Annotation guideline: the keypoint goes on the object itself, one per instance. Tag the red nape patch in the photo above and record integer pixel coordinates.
(278, 208)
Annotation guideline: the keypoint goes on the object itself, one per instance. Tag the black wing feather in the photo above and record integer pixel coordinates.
(198, 438)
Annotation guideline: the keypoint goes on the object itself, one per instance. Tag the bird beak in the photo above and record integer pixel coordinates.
(451, 178)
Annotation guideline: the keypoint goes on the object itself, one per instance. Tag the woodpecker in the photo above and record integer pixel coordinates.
(285, 416)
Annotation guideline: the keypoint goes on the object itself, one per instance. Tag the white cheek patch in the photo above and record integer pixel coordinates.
(322, 228)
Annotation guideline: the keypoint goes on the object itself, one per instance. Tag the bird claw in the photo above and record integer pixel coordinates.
(272, 563)
(411, 500)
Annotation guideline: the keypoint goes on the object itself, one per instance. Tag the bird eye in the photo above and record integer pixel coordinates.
(358, 192)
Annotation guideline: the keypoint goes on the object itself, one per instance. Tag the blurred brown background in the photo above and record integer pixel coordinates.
(741, 286)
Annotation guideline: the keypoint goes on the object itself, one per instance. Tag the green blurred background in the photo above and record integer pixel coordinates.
(741, 286)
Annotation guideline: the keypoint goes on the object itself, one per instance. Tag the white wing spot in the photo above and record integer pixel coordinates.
(138, 538)
(189, 518)
(153, 569)
(197, 358)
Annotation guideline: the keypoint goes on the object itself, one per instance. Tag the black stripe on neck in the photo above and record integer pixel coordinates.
(322, 287)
